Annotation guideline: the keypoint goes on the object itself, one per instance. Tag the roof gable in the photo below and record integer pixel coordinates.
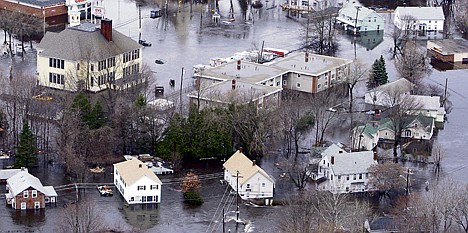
(132, 170)
(422, 13)
(23, 180)
(238, 162)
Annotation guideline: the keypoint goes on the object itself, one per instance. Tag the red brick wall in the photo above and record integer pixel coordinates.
(50, 11)
(29, 200)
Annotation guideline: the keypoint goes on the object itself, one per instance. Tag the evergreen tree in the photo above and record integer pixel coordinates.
(96, 119)
(26, 151)
(379, 74)
(140, 101)
(92, 116)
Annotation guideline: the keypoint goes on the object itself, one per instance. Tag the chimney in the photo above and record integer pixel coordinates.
(106, 29)
(254, 162)
(375, 155)
(341, 152)
(238, 64)
(241, 149)
(306, 57)
(233, 84)
(332, 160)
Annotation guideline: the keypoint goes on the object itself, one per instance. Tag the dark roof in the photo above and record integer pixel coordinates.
(76, 43)
(384, 223)
(43, 2)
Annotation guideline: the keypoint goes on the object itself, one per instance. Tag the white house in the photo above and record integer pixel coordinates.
(382, 95)
(89, 57)
(419, 127)
(367, 19)
(386, 130)
(345, 172)
(420, 19)
(136, 182)
(245, 175)
(429, 106)
(365, 137)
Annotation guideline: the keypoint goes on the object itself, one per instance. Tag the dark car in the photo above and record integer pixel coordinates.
(144, 43)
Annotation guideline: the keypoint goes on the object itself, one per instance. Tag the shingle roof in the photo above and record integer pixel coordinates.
(240, 162)
(367, 129)
(350, 163)
(7, 173)
(43, 2)
(23, 180)
(350, 9)
(422, 13)
(424, 120)
(74, 44)
(386, 123)
(131, 171)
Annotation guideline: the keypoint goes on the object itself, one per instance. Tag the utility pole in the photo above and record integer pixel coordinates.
(407, 181)
(181, 82)
(445, 92)
(139, 22)
(237, 198)
(223, 223)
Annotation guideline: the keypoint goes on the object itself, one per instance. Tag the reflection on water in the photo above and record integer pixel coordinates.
(368, 40)
(142, 217)
(29, 218)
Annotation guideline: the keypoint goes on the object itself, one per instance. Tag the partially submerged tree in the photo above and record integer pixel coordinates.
(386, 178)
(320, 32)
(26, 151)
(81, 217)
(412, 64)
(190, 187)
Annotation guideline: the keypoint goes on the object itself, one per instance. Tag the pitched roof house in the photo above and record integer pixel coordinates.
(381, 95)
(420, 19)
(345, 172)
(136, 182)
(25, 191)
(365, 137)
(97, 58)
(367, 19)
(245, 175)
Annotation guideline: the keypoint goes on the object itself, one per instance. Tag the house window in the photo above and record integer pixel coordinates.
(339, 177)
(25, 194)
(142, 187)
(56, 63)
(34, 193)
(347, 177)
(319, 86)
(331, 177)
(37, 205)
(263, 185)
(248, 186)
(56, 78)
(278, 83)
(354, 177)
(429, 21)
(360, 176)
(92, 67)
(154, 187)
(78, 66)
(298, 85)
(111, 62)
(132, 199)
(23, 205)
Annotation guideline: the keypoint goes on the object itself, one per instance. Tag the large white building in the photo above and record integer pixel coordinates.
(244, 174)
(242, 82)
(345, 172)
(136, 182)
(420, 19)
(89, 57)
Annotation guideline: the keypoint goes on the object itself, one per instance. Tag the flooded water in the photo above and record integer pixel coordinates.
(187, 39)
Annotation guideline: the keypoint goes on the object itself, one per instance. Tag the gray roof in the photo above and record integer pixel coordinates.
(349, 163)
(23, 180)
(350, 9)
(450, 46)
(42, 2)
(249, 71)
(244, 92)
(7, 173)
(317, 64)
(79, 43)
(422, 13)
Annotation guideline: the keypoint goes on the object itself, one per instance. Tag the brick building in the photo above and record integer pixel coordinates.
(54, 12)
(24, 191)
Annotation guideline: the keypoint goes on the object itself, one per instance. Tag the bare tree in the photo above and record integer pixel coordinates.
(412, 64)
(317, 211)
(324, 116)
(82, 217)
(461, 17)
(357, 74)
(319, 32)
(386, 178)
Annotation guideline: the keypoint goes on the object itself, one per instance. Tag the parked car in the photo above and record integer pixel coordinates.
(144, 43)
(105, 190)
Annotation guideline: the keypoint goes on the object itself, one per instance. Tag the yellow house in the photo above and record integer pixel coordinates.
(89, 57)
